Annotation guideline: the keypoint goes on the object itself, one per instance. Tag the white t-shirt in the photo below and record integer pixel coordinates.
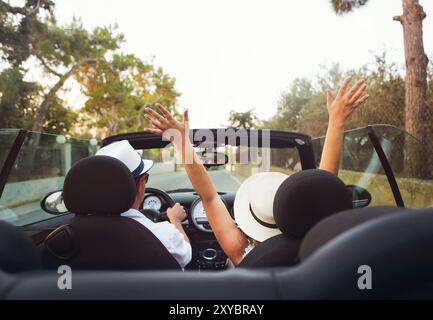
(168, 234)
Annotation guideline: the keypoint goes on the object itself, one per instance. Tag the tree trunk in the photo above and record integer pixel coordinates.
(42, 111)
(416, 83)
(113, 123)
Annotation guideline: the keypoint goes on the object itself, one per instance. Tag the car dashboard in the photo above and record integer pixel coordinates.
(207, 253)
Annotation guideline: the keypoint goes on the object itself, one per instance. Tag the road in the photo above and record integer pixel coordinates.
(224, 181)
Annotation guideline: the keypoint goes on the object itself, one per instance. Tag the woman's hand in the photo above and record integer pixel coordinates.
(344, 104)
(162, 123)
(175, 131)
(340, 110)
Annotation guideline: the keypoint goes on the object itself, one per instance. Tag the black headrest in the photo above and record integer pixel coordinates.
(306, 198)
(335, 225)
(17, 252)
(99, 186)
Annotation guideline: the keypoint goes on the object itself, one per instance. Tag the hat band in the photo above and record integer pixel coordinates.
(265, 224)
(136, 173)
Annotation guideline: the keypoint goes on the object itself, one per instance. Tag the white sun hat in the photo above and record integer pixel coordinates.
(124, 152)
(254, 205)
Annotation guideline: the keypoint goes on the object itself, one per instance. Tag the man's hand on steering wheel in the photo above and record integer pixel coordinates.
(176, 214)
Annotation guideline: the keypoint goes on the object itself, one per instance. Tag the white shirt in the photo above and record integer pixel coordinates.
(168, 234)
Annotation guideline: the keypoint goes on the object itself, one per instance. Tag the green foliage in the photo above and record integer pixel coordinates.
(17, 27)
(303, 107)
(16, 98)
(344, 6)
(119, 89)
(69, 45)
(244, 120)
(290, 105)
(59, 119)
(118, 86)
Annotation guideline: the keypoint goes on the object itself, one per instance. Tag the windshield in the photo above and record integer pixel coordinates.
(40, 168)
(243, 162)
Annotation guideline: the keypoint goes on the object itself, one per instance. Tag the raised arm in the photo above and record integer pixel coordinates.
(340, 110)
(231, 239)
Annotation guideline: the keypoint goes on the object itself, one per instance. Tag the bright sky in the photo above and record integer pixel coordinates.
(241, 54)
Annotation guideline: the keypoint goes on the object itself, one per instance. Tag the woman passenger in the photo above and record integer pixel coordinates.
(235, 243)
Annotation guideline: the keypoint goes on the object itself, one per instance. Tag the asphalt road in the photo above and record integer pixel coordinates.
(224, 181)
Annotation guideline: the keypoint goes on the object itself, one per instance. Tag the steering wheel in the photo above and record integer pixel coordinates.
(153, 214)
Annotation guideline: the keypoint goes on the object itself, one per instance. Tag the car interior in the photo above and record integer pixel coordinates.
(331, 227)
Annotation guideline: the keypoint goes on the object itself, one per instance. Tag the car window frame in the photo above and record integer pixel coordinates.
(11, 158)
(384, 161)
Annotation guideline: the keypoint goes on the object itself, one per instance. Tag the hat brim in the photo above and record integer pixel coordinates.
(148, 165)
(245, 220)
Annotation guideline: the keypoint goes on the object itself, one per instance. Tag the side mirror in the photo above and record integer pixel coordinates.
(361, 198)
(53, 203)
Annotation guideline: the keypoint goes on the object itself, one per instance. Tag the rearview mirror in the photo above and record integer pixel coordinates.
(53, 203)
(213, 159)
(361, 198)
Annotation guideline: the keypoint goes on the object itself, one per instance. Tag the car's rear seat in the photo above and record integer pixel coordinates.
(398, 248)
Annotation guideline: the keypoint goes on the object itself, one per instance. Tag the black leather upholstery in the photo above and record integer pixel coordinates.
(17, 252)
(98, 190)
(337, 224)
(106, 243)
(398, 248)
(303, 200)
(99, 186)
(279, 251)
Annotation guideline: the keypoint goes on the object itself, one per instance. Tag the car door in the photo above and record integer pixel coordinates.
(34, 165)
(379, 159)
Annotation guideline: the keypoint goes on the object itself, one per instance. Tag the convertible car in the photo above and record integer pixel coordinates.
(389, 232)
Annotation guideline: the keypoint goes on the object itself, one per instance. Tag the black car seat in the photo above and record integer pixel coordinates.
(332, 227)
(302, 201)
(397, 247)
(395, 251)
(17, 252)
(98, 190)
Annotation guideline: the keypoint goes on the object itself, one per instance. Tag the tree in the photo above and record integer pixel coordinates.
(16, 98)
(17, 25)
(29, 35)
(120, 88)
(416, 109)
(291, 104)
(244, 120)
(301, 108)
(343, 6)
(69, 48)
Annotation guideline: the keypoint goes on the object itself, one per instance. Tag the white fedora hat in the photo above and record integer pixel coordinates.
(124, 152)
(254, 205)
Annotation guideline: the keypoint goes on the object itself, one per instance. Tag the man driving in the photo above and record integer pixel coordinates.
(171, 234)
